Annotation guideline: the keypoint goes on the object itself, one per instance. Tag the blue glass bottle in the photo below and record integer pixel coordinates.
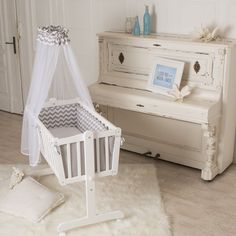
(146, 22)
(136, 29)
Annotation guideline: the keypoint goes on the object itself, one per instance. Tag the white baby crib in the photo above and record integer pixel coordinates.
(79, 145)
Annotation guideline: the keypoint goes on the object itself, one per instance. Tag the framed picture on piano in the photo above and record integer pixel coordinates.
(164, 75)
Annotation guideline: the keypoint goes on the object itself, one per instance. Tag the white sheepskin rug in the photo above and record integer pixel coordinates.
(135, 191)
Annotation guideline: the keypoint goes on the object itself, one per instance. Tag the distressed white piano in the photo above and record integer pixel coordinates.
(198, 132)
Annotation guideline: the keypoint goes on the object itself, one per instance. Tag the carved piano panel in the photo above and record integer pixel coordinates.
(130, 66)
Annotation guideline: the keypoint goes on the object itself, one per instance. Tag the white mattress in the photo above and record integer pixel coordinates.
(64, 132)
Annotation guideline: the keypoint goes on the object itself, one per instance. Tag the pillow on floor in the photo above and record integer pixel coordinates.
(31, 200)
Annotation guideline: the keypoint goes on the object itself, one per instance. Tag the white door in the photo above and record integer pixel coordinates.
(10, 81)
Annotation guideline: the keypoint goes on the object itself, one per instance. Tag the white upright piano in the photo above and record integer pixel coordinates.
(200, 131)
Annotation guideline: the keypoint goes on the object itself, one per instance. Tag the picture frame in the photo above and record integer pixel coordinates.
(164, 75)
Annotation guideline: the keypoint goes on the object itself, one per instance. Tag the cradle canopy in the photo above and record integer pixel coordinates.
(51, 41)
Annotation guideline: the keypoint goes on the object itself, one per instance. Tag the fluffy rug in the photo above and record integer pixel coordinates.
(134, 190)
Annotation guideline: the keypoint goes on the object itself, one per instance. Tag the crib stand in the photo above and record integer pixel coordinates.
(92, 217)
(91, 152)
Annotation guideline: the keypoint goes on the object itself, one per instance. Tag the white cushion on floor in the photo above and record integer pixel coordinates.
(31, 200)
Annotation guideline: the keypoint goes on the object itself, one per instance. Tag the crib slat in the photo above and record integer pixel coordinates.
(78, 155)
(107, 153)
(98, 155)
(68, 160)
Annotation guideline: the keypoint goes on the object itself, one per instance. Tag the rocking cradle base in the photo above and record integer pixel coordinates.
(88, 220)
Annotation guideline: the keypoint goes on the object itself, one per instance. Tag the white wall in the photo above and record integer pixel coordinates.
(182, 16)
(169, 16)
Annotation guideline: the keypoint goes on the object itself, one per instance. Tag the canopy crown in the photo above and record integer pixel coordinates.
(53, 35)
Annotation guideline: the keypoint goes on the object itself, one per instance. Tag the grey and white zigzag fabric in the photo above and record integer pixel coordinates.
(86, 121)
(71, 115)
(53, 35)
(59, 116)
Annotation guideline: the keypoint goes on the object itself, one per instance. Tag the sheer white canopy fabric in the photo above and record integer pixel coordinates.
(51, 41)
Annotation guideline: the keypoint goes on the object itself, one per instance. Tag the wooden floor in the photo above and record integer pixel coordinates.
(195, 207)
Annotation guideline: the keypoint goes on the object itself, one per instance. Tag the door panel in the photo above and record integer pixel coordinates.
(10, 83)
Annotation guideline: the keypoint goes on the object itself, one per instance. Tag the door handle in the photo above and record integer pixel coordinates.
(13, 43)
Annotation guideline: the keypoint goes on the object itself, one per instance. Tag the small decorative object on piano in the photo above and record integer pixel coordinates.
(206, 34)
(179, 94)
(164, 75)
(136, 29)
(146, 21)
(129, 24)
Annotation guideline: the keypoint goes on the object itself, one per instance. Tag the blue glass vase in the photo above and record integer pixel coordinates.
(136, 29)
(146, 22)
